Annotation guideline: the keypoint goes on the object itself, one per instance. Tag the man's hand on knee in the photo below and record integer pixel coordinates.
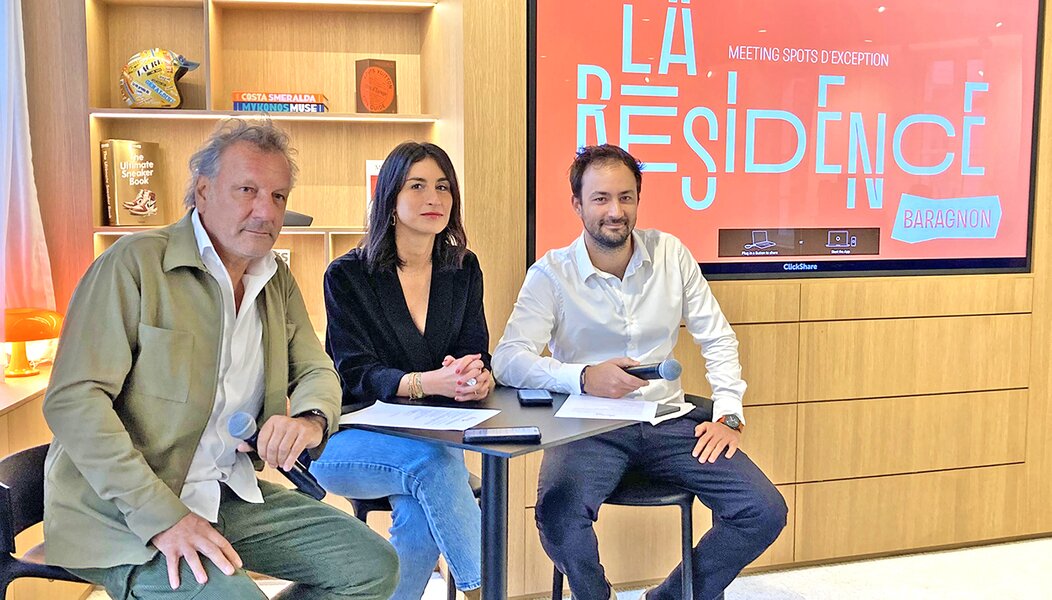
(282, 439)
(609, 379)
(188, 538)
(713, 438)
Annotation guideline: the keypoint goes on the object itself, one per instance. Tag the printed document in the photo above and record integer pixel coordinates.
(383, 414)
(578, 406)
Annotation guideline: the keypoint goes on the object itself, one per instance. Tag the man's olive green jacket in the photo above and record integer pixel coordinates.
(134, 384)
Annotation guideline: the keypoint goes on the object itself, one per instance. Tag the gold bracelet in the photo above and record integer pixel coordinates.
(416, 386)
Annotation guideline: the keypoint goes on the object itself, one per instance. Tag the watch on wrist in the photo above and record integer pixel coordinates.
(731, 421)
(582, 378)
(314, 412)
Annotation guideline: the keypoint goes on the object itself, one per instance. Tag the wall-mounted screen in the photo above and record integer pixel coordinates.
(797, 137)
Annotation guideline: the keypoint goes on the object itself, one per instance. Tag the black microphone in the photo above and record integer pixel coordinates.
(243, 427)
(667, 369)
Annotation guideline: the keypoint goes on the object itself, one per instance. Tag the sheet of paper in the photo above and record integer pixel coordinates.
(382, 414)
(593, 407)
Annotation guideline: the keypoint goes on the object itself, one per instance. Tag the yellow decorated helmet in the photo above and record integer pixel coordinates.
(148, 79)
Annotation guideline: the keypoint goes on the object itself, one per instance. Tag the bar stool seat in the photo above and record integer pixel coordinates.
(637, 489)
(362, 508)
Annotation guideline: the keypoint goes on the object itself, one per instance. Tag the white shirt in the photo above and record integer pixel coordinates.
(587, 316)
(240, 386)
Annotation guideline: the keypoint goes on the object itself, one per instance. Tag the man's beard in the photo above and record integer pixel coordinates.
(610, 241)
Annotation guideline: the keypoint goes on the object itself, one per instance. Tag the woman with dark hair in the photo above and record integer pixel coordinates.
(406, 319)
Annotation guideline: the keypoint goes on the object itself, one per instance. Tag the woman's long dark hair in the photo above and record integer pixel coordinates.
(451, 244)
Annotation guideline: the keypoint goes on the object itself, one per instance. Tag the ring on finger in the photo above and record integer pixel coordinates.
(472, 382)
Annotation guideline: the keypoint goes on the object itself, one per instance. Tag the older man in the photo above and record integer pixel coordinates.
(169, 333)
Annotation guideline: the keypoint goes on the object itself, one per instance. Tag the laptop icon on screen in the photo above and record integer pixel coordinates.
(760, 241)
(841, 239)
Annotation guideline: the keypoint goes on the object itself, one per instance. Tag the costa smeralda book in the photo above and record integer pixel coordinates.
(280, 102)
(133, 183)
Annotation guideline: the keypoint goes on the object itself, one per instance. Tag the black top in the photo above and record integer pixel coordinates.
(372, 337)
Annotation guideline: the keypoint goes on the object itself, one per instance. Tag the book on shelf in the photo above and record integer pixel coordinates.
(377, 86)
(293, 97)
(280, 107)
(372, 175)
(131, 176)
(284, 254)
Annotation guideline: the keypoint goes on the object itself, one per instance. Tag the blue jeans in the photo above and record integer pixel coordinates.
(748, 513)
(434, 509)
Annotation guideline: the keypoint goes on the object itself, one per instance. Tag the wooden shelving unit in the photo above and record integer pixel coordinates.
(262, 45)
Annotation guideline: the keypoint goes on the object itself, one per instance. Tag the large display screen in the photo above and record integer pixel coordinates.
(797, 137)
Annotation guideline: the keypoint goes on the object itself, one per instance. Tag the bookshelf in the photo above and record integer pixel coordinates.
(266, 45)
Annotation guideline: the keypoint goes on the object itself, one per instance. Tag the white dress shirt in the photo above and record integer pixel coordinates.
(240, 387)
(587, 316)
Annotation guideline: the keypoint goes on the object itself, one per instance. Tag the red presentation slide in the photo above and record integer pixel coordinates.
(798, 134)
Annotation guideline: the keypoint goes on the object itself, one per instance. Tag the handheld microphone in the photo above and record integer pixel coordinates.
(243, 427)
(667, 369)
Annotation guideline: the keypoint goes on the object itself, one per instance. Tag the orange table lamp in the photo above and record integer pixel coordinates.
(23, 325)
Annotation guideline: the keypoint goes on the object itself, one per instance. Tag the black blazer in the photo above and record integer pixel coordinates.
(371, 335)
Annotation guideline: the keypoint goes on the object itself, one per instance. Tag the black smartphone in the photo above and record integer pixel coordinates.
(490, 435)
(535, 398)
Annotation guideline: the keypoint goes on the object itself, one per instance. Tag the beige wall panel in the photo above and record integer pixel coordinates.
(758, 302)
(635, 544)
(131, 29)
(1039, 421)
(769, 355)
(331, 157)
(442, 74)
(860, 438)
(894, 357)
(855, 517)
(770, 440)
(315, 51)
(214, 64)
(343, 243)
(27, 427)
(5, 446)
(309, 259)
(96, 14)
(879, 297)
(55, 34)
(494, 145)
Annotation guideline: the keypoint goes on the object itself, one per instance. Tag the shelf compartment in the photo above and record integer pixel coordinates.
(313, 52)
(116, 31)
(411, 6)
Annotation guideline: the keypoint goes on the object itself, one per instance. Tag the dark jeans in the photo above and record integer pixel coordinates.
(748, 513)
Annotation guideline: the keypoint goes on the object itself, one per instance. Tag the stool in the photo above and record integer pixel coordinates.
(636, 490)
(21, 507)
(362, 508)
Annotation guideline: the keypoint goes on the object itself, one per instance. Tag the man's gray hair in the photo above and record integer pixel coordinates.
(261, 133)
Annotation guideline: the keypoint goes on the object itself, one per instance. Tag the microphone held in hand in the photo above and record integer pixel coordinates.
(667, 369)
(243, 427)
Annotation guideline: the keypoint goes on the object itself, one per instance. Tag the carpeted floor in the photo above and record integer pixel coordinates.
(1014, 571)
